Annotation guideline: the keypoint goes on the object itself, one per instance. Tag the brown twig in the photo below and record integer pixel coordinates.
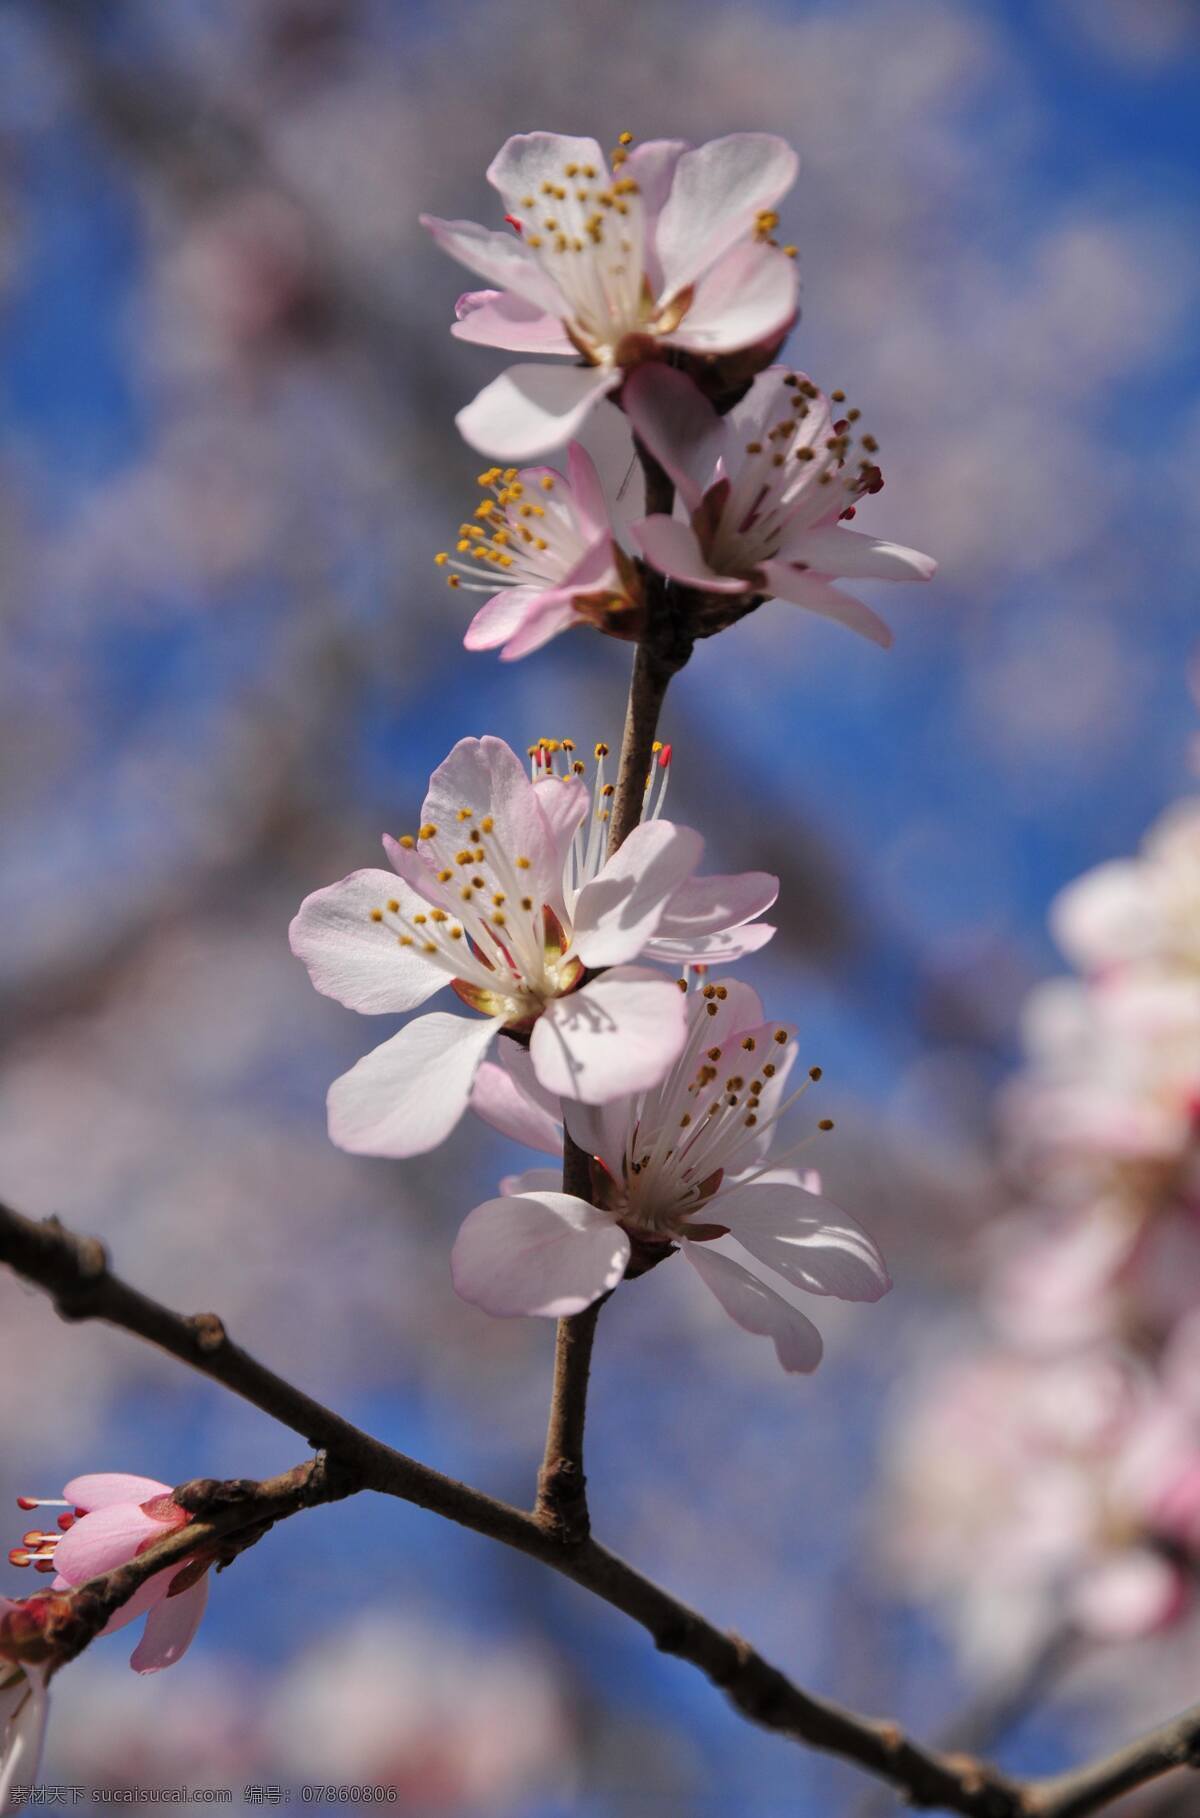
(1099, 1784)
(74, 1271)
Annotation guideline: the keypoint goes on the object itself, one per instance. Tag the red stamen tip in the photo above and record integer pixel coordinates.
(27, 1502)
(664, 758)
(18, 1556)
(66, 1521)
(43, 1565)
(514, 221)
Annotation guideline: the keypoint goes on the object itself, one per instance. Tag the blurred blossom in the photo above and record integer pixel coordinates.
(454, 1722)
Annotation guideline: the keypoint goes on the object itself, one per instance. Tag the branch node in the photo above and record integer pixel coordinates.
(209, 1332)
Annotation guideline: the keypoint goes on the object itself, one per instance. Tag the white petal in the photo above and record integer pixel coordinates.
(1108, 916)
(1130, 1594)
(530, 409)
(549, 618)
(674, 549)
(717, 192)
(620, 908)
(356, 960)
(652, 166)
(527, 160)
(546, 1253)
(838, 552)
(708, 905)
(620, 1034)
(24, 1707)
(500, 318)
(504, 1103)
(678, 425)
(710, 949)
(757, 1309)
(587, 494)
(406, 1097)
(806, 1239)
(600, 1130)
(501, 258)
(750, 297)
(564, 802)
(815, 595)
(608, 439)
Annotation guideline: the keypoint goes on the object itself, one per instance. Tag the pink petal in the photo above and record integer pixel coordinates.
(652, 167)
(106, 1538)
(816, 595)
(527, 160)
(587, 493)
(750, 297)
(500, 318)
(674, 549)
(717, 192)
(546, 1253)
(608, 439)
(531, 409)
(531, 1180)
(507, 1106)
(564, 801)
(805, 1239)
(406, 1097)
(501, 617)
(839, 552)
(170, 1629)
(487, 778)
(357, 960)
(144, 1598)
(500, 258)
(620, 1034)
(100, 1488)
(551, 617)
(678, 425)
(620, 908)
(1130, 1595)
(757, 1309)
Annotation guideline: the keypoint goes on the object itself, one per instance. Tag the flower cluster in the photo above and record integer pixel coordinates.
(1069, 1481)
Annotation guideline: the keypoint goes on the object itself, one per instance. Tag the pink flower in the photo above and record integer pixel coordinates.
(24, 1706)
(507, 896)
(543, 549)
(674, 250)
(763, 493)
(684, 1164)
(110, 1518)
(1143, 911)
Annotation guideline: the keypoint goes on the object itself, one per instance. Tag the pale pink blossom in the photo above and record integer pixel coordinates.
(1029, 1493)
(108, 1519)
(24, 1704)
(681, 1165)
(507, 895)
(763, 494)
(1138, 912)
(670, 248)
(542, 546)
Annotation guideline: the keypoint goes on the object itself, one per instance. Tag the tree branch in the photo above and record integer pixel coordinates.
(1098, 1784)
(74, 1271)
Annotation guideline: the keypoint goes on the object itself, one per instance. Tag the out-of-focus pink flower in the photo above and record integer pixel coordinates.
(24, 1707)
(542, 547)
(684, 1164)
(1142, 911)
(1030, 1493)
(670, 248)
(109, 1518)
(763, 493)
(506, 894)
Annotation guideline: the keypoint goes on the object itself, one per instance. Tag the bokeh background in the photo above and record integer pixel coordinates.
(226, 459)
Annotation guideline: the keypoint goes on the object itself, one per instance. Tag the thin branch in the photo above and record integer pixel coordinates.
(75, 1272)
(1098, 1784)
(562, 1485)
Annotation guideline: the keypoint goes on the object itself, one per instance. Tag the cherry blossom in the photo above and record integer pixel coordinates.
(683, 1164)
(611, 261)
(1142, 911)
(107, 1519)
(763, 493)
(541, 546)
(506, 894)
(1029, 1493)
(24, 1706)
